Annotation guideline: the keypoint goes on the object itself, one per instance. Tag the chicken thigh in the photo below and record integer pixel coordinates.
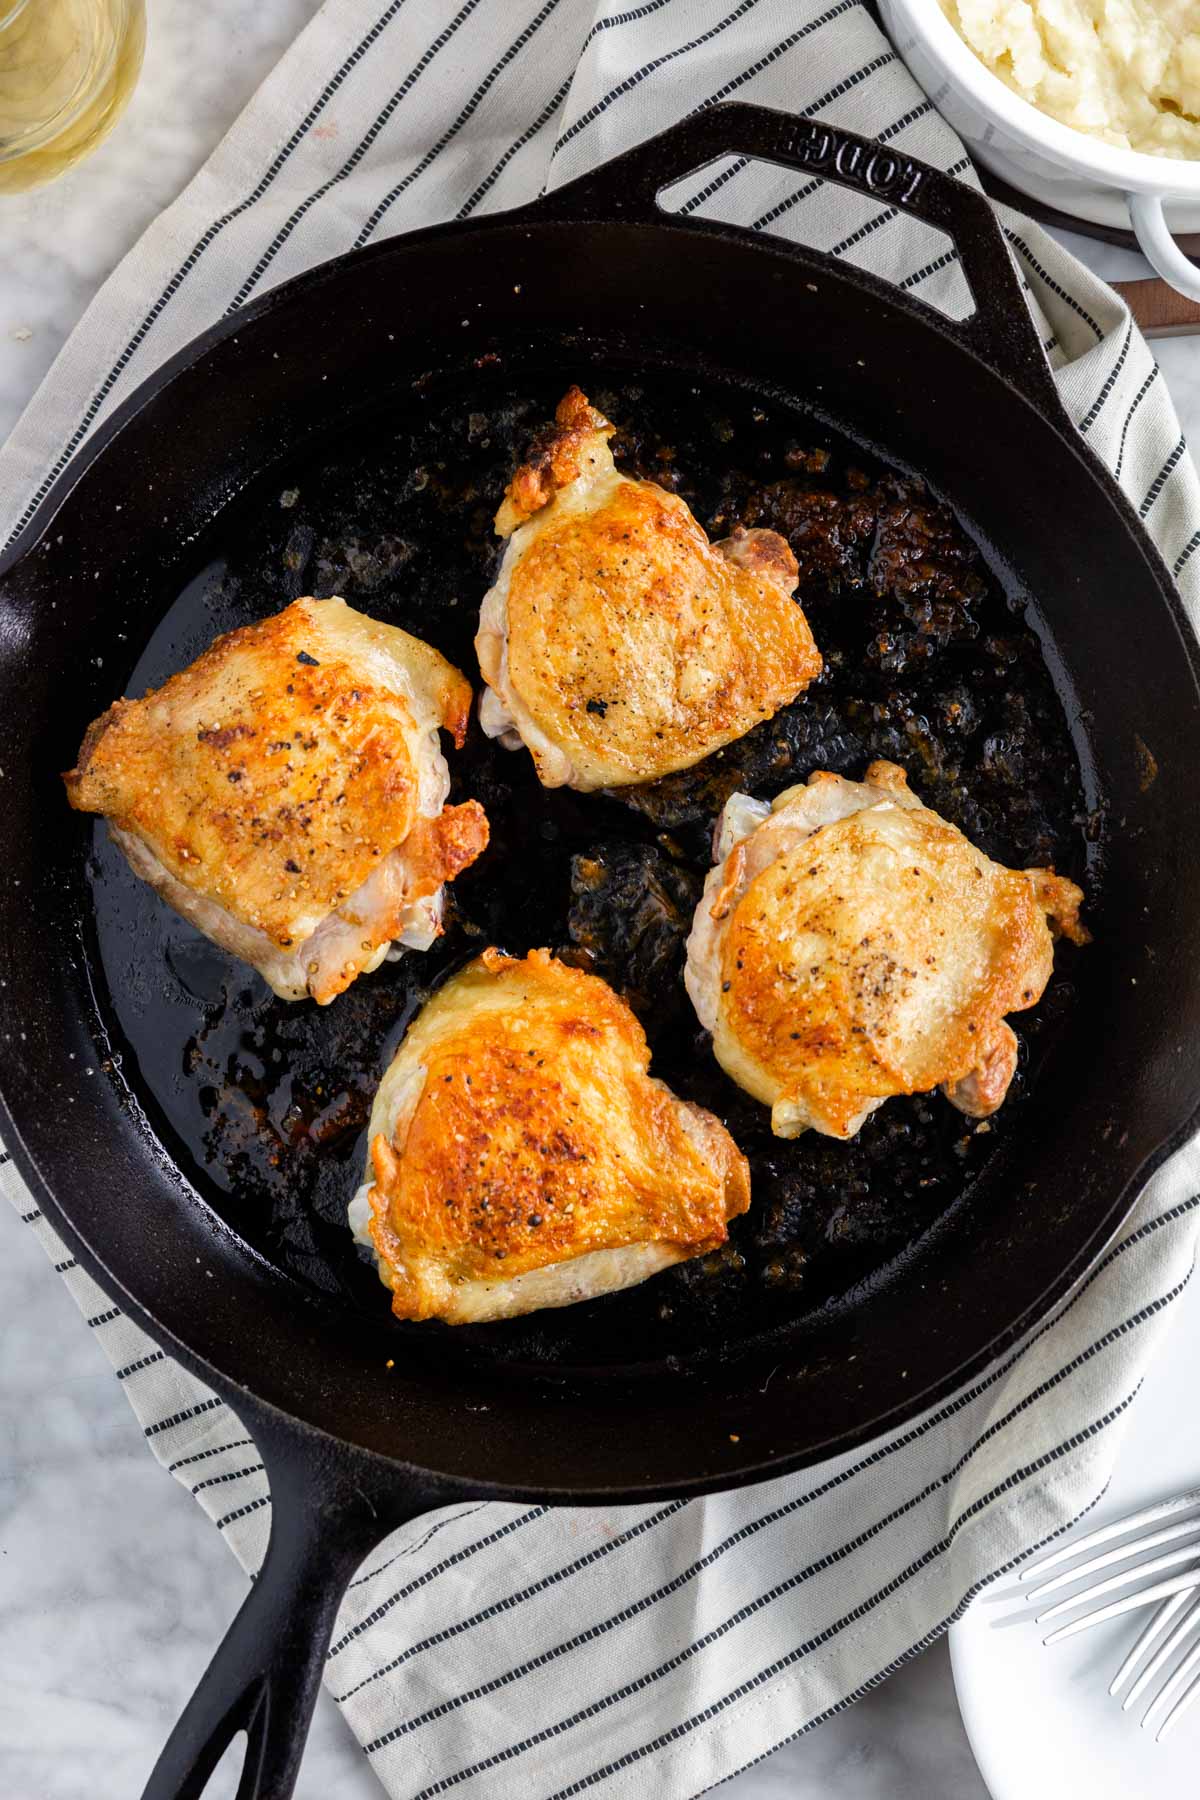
(286, 793)
(851, 945)
(618, 643)
(521, 1156)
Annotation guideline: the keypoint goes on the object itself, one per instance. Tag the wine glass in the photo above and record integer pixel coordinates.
(67, 69)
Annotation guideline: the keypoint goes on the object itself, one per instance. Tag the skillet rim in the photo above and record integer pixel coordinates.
(549, 212)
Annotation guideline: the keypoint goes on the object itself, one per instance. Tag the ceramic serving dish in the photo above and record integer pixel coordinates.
(1095, 181)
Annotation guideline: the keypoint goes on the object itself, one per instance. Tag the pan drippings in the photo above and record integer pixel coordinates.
(928, 664)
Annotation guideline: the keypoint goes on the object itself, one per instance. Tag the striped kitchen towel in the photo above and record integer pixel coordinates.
(501, 1650)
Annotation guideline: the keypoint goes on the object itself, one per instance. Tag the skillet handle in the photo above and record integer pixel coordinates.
(330, 1507)
(999, 331)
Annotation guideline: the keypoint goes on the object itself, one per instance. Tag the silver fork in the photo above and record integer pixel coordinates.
(1172, 1577)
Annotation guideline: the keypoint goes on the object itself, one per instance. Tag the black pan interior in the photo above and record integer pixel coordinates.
(319, 375)
(930, 662)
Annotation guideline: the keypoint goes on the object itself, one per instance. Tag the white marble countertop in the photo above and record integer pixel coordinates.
(114, 1588)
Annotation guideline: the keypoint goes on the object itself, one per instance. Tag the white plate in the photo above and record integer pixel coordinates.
(1040, 1720)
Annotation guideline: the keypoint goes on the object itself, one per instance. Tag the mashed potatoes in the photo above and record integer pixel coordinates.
(1127, 71)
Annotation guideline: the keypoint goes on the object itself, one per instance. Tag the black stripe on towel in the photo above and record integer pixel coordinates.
(552, 106)
(518, 144)
(781, 49)
(715, 186)
(1042, 274)
(385, 1607)
(181, 1418)
(352, 161)
(411, 1549)
(1137, 401)
(452, 131)
(614, 19)
(1160, 480)
(143, 1362)
(1185, 553)
(647, 69)
(239, 1512)
(233, 1475)
(1110, 381)
(202, 1455)
(864, 231)
(931, 268)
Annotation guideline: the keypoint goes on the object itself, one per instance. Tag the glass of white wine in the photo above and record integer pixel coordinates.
(67, 68)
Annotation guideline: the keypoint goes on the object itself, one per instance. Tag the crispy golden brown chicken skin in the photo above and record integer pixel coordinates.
(522, 1157)
(618, 643)
(851, 945)
(286, 792)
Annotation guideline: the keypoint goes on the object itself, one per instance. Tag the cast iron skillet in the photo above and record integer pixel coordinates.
(354, 1449)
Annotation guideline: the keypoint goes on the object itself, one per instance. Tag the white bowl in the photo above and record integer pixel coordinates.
(1056, 164)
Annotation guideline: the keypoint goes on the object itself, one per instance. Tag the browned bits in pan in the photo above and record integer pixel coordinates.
(927, 665)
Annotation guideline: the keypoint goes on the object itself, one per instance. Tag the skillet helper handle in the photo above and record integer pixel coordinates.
(266, 1674)
(1000, 331)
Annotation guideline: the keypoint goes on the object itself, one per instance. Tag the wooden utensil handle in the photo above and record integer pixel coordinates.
(1158, 309)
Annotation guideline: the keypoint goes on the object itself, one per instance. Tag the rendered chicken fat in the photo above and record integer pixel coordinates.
(851, 945)
(286, 793)
(521, 1156)
(618, 644)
